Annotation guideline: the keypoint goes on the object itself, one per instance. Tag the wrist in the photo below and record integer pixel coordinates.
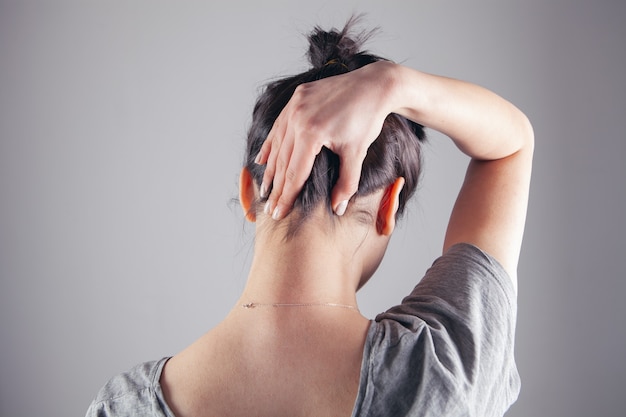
(403, 94)
(383, 80)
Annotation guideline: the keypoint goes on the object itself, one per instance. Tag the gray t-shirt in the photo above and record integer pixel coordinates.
(447, 350)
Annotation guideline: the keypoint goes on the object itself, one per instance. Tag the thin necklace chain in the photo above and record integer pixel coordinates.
(255, 305)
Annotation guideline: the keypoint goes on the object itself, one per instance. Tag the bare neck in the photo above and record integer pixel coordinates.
(318, 265)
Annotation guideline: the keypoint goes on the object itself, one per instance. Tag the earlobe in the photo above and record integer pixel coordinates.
(386, 218)
(247, 195)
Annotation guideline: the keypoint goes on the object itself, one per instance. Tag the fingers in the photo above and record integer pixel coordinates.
(288, 165)
(350, 165)
(294, 176)
(316, 116)
(280, 160)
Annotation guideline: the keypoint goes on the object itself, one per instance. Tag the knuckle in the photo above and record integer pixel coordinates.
(281, 164)
(298, 111)
(269, 171)
(291, 175)
(301, 89)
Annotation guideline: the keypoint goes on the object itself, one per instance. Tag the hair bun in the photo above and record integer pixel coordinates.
(325, 46)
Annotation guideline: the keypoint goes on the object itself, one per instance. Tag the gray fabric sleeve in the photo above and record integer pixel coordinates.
(133, 393)
(447, 350)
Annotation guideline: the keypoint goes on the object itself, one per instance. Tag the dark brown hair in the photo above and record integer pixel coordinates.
(395, 153)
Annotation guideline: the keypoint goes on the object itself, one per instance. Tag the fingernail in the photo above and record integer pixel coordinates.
(258, 158)
(276, 214)
(267, 208)
(263, 190)
(341, 208)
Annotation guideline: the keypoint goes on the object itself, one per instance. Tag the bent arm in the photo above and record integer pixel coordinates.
(490, 211)
(345, 113)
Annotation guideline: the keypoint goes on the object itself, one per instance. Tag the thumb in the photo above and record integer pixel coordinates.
(347, 183)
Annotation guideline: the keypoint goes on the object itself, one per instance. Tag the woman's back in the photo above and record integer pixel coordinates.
(267, 361)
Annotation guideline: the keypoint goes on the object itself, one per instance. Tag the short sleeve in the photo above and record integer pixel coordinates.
(448, 348)
(135, 393)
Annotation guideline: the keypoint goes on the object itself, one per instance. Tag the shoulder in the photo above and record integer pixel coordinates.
(459, 283)
(449, 343)
(135, 392)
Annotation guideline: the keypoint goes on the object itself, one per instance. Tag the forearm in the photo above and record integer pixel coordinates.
(482, 124)
(490, 210)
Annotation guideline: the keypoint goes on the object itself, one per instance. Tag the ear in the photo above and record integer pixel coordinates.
(247, 194)
(386, 218)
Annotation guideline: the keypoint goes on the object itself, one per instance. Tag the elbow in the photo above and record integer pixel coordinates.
(526, 135)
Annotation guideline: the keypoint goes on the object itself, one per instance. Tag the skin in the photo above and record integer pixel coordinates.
(303, 361)
(345, 113)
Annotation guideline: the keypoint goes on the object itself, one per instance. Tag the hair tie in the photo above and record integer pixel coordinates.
(336, 61)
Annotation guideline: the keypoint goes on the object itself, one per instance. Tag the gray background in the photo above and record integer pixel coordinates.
(121, 131)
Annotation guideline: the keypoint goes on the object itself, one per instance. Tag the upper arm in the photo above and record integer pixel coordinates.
(490, 210)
